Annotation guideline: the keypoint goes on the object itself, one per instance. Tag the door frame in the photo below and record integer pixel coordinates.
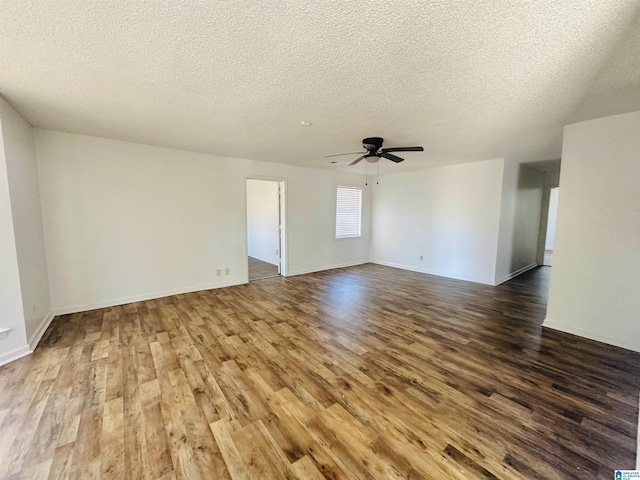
(282, 195)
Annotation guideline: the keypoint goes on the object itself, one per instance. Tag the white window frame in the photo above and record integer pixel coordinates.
(338, 229)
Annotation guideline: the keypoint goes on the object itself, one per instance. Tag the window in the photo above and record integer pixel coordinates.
(348, 212)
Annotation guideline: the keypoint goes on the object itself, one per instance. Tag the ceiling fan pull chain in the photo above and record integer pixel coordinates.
(366, 177)
(377, 173)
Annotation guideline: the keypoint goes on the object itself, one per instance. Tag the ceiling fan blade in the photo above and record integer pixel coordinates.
(391, 157)
(356, 161)
(403, 149)
(341, 154)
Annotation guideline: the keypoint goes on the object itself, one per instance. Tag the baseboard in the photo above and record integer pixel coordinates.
(141, 298)
(429, 272)
(598, 337)
(37, 335)
(516, 273)
(329, 267)
(153, 296)
(14, 354)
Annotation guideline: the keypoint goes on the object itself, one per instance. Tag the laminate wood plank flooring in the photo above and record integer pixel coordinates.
(259, 270)
(361, 372)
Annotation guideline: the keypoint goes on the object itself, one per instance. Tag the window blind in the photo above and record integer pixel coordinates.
(348, 211)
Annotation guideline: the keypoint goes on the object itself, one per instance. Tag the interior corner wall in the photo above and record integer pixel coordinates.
(24, 192)
(520, 210)
(263, 214)
(448, 215)
(24, 292)
(126, 222)
(596, 270)
(14, 345)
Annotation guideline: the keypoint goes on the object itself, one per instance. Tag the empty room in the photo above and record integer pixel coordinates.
(307, 239)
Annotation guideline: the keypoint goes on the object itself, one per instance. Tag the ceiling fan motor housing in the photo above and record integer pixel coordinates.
(372, 144)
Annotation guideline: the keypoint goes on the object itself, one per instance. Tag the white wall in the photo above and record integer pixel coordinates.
(24, 289)
(14, 344)
(596, 273)
(311, 217)
(551, 219)
(449, 215)
(263, 214)
(125, 221)
(27, 217)
(520, 208)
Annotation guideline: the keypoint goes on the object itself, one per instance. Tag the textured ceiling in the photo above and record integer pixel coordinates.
(468, 79)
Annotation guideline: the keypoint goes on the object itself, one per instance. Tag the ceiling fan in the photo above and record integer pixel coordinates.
(374, 151)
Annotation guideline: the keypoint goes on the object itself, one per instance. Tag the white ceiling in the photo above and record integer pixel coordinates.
(468, 79)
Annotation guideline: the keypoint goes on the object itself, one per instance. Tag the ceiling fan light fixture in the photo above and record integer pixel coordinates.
(374, 151)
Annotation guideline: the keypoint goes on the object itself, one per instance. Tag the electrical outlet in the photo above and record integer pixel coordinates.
(218, 272)
(276, 253)
(421, 257)
(226, 271)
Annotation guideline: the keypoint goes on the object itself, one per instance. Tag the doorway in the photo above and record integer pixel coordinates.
(551, 227)
(265, 221)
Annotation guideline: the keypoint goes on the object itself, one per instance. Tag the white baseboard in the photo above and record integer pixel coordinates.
(14, 354)
(46, 321)
(430, 272)
(516, 273)
(141, 298)
(329, 267)
(27, 349)
(37, 335)
(598, 337)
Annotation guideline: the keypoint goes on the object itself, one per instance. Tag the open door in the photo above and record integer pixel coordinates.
(265, 214)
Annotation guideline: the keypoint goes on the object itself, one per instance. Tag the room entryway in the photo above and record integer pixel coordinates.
(551, 227)
(265, 214)
(259, 269)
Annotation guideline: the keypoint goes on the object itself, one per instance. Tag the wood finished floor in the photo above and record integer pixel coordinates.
(364, 372)
(259, 269)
